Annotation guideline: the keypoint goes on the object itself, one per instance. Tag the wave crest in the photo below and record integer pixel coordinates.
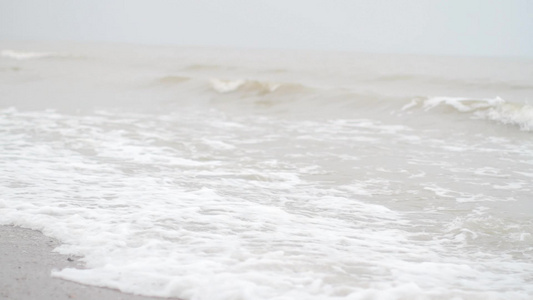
(495, 109)
(253, 86)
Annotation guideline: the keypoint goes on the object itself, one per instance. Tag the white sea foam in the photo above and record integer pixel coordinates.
(198, 218)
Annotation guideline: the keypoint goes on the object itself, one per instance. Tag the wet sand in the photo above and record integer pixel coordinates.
(26, 260)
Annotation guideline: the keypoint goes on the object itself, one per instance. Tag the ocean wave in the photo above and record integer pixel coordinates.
(172, 79)
(257, 87)
(25, 55)
(495, 109)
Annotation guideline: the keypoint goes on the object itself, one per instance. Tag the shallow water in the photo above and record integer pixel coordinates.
(230, 174)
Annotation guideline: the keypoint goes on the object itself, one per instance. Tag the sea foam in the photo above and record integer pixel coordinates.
(181, 205)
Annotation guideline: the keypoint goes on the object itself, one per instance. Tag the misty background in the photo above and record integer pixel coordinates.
(451, 27)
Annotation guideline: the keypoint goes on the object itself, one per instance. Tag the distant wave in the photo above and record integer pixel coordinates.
(495, 109)
(26, 55)
(20, 55)
(224, 86)
(172, 79)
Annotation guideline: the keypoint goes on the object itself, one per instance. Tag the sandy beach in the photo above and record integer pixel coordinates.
(27, 258)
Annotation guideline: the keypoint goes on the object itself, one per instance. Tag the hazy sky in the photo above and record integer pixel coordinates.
(458, 27)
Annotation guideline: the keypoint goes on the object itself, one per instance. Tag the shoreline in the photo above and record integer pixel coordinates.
(27, 259)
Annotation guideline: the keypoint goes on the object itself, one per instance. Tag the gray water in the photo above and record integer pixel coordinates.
(244, 174)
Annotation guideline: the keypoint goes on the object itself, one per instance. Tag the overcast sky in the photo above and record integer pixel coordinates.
(456, 27)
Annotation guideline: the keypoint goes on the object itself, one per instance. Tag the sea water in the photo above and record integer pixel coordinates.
(211, 174)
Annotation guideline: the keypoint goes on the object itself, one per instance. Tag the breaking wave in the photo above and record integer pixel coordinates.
(495, 109)
(256, 87)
